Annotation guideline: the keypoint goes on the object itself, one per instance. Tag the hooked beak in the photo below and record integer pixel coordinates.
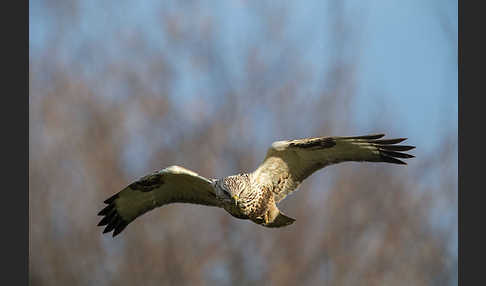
(235, 199)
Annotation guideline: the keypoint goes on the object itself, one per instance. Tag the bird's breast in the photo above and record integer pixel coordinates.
(258, 204)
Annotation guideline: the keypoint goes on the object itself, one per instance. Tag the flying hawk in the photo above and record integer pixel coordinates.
(252, 196)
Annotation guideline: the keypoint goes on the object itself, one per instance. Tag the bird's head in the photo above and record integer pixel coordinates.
(228, 190)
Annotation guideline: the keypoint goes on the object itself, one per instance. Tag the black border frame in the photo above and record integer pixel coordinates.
(15, 120)
(470, 127)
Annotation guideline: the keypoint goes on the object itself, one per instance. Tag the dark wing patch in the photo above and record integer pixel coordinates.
(326, 142)
(147, 183)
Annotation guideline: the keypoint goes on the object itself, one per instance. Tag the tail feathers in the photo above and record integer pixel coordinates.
(280, 221)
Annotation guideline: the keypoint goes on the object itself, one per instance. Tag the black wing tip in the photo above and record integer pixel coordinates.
(106, 210)
(389, 155)
(390, 152)
(120, 227)
(392, 160)
(369, 136)
(389, 141)
(111, 199)
(103, 221)
(396, 154)
(113, 223)
(111, 218)
(396, 147)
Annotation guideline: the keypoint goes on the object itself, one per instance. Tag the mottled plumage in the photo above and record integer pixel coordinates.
(252, 196)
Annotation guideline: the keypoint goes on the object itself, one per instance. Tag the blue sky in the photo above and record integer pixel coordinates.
(407, 62)
(413, 63)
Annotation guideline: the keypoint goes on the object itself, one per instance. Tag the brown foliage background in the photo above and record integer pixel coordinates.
(107, 113)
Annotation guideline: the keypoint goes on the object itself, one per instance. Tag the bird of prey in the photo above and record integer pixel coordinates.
(252, 196)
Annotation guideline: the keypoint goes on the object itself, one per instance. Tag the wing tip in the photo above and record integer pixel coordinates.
(111, 218)
(116, 224)
(111, 199)
(389, 141)
(368, 137)
(396, 154)
(390, 152)
(396, 147)
(106, 210)
(392, 160)
(119, 228)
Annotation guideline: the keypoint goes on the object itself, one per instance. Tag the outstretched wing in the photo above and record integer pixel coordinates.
(170, 185)
(288, 163)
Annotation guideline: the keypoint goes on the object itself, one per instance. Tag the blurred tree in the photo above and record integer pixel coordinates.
(118, 102)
